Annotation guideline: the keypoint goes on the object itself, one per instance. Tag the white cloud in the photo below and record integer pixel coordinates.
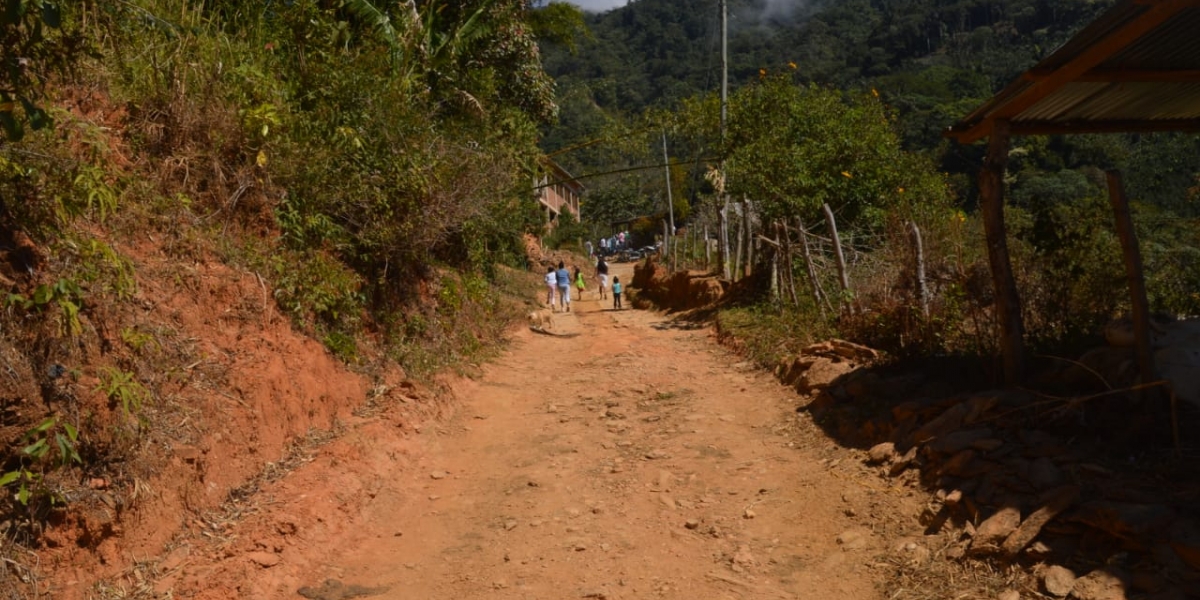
(598, 5)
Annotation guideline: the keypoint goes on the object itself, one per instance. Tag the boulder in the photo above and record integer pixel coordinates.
(997, 527)
(820, 374)
(1058, 501)
(1058, 581)
(1043, 474)
(950, 420)
(881, 453)
(957, 441)
(1132, 522)
(1099, 585)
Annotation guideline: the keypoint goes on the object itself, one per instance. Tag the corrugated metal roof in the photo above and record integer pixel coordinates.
(1135, 68)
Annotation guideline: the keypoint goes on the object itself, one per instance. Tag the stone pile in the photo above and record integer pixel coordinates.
(1176, 347)
(681, 290)
(1027, 495)
(1003, 490)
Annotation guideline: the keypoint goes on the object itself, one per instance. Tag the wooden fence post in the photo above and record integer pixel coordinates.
(723, 241)
(737, 253)
(837, 253)
(707, 252)
(919, 268)
(1137, 279)
(808, 265)
(1008, 302)
(748, 223)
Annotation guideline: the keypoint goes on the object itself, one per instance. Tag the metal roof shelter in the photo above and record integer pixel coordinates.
(1136, 68)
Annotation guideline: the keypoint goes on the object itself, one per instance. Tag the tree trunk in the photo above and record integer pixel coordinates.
(1137, 279)
(1008, 303)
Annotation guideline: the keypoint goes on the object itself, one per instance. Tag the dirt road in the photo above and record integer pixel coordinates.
(636, 460)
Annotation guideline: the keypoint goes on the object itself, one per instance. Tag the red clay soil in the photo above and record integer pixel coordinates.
(636, 459)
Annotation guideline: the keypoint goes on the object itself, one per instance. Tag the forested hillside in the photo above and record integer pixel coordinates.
(651, 69)
(932, 61)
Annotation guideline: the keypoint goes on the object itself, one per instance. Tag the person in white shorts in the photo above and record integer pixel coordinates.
(602, 275)
(551, 283)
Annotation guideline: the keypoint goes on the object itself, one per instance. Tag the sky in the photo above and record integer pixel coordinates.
(598, 5)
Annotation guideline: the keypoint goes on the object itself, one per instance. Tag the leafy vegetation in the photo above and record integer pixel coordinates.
(844, 103)
(366, 162)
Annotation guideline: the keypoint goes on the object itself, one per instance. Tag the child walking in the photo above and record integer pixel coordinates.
(551, 283)
(579, 282)
(617, 293)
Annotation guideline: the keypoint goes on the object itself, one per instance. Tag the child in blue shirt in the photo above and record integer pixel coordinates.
(617, 293)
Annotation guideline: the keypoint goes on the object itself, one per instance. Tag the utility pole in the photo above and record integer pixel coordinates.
(670, 202)
(723, 228)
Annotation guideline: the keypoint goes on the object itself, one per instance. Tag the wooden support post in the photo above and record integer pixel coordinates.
(1137, 279)
(837, 252)
(707, 251)
(919, 268)
(1008, 303)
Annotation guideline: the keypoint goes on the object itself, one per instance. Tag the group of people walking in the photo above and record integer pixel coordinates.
(559, 282)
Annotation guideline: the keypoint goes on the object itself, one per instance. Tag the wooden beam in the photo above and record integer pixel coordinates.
(1114, 126)
(1137, 279)
(1008, 303)
(1124, 76)
(1157, 12)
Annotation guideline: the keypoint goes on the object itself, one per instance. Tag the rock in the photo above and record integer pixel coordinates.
(854, 539)
(1148, 581)
(1058, 581)
(1043, 474)
(742, 558)
(997, 527)
(902, 463)
(959, 463)
(881, 453)
(950, 420)
(1029, 529)
(852, 351)
(691, 523)
(958, 441)
(1124, 520)
(987, 445)
(438, 475)
(1099, 585)
(264, 559)
(749, 514)
(1009, 595)
(953, 498)
(979, 406)
(820, 374)
(510, 525)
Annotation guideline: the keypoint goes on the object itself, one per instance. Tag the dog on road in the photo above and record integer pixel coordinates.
(541, 320)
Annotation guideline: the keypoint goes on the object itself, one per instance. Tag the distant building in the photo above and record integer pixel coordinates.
(557, 191)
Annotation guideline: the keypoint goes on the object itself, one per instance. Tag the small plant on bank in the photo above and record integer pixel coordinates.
(50, 446)
(120, 387)
(65, 294)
